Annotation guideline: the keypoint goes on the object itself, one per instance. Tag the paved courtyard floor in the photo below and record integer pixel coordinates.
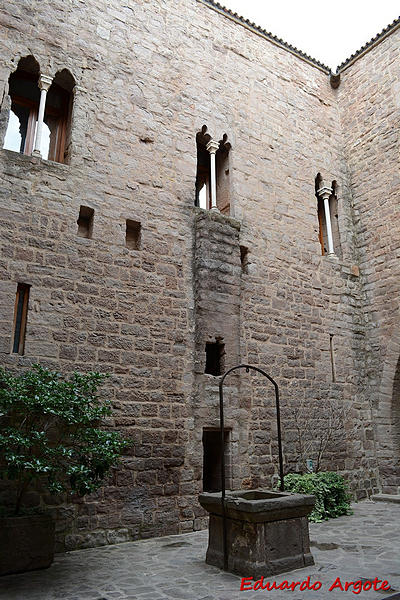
(362, 547)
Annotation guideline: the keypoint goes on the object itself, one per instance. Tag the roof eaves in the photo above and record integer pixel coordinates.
(369, 45)
(265, 34)
(282, 44)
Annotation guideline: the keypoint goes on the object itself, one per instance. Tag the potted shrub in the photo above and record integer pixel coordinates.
(49, 439)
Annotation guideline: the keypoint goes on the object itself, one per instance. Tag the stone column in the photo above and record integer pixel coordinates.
(212, 147)
(325, 193)
(44, 84)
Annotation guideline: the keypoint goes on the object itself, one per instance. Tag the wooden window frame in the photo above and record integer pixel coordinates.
(20, 318)
(33, 114)
(57, 147)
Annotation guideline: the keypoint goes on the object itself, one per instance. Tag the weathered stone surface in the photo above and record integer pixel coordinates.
(371, 150)
(148, 76)
(266, 532)
(174, 566)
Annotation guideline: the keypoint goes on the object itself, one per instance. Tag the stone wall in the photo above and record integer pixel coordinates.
(149, 76)
(218, 274)
(370, 108)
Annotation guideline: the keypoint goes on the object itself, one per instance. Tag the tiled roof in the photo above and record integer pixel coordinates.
(379, 37)
(266, 34)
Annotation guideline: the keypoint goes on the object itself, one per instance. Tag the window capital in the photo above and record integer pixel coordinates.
(44, 82)
(212, 146)
(325, 192)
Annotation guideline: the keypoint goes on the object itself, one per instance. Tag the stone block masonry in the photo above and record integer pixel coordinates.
(148, 306)
(369, 108)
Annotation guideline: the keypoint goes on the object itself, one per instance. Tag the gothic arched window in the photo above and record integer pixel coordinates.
(51, 140)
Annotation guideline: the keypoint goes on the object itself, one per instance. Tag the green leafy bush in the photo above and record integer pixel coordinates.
(49, 430)
(329, 489)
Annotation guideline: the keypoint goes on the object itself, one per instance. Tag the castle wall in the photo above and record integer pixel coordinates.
(149, 76)
(369, 107)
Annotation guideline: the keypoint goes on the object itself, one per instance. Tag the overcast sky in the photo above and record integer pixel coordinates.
(327, 31)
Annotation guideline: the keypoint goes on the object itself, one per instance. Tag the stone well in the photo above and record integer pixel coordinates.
(267, 532)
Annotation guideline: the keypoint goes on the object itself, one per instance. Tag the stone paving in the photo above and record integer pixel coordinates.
(359, 547)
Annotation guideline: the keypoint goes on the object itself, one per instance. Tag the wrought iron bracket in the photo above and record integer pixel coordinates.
(221, 425)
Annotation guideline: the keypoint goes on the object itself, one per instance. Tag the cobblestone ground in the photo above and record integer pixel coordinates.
(363, 546)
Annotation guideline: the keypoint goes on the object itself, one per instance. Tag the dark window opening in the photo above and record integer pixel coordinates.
(333, 208)
(133, 234)
(85, 222)
(322, 235)
(394, 431)
(215, 354)
(244, 259)
(202, 198)
(20, 317)
(57, 117)
(212, 457)
(333, 213)
(25, 95)
(222, 176)
(332, 353)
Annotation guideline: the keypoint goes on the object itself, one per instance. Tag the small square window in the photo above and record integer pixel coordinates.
(244, 259)
(85, 222)
(133, 234)
(215, 353)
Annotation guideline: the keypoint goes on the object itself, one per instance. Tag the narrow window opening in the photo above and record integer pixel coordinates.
(215, 354)
(332, 353)
(333, 208)
(244, 259)
(222, 176)
(85, 222)
(24, 92)
(133, 234)
(333, 217)
(20, 317)
(57, 118)
(212, 458)
(322, 234)
(202, 198)
(203, 173)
